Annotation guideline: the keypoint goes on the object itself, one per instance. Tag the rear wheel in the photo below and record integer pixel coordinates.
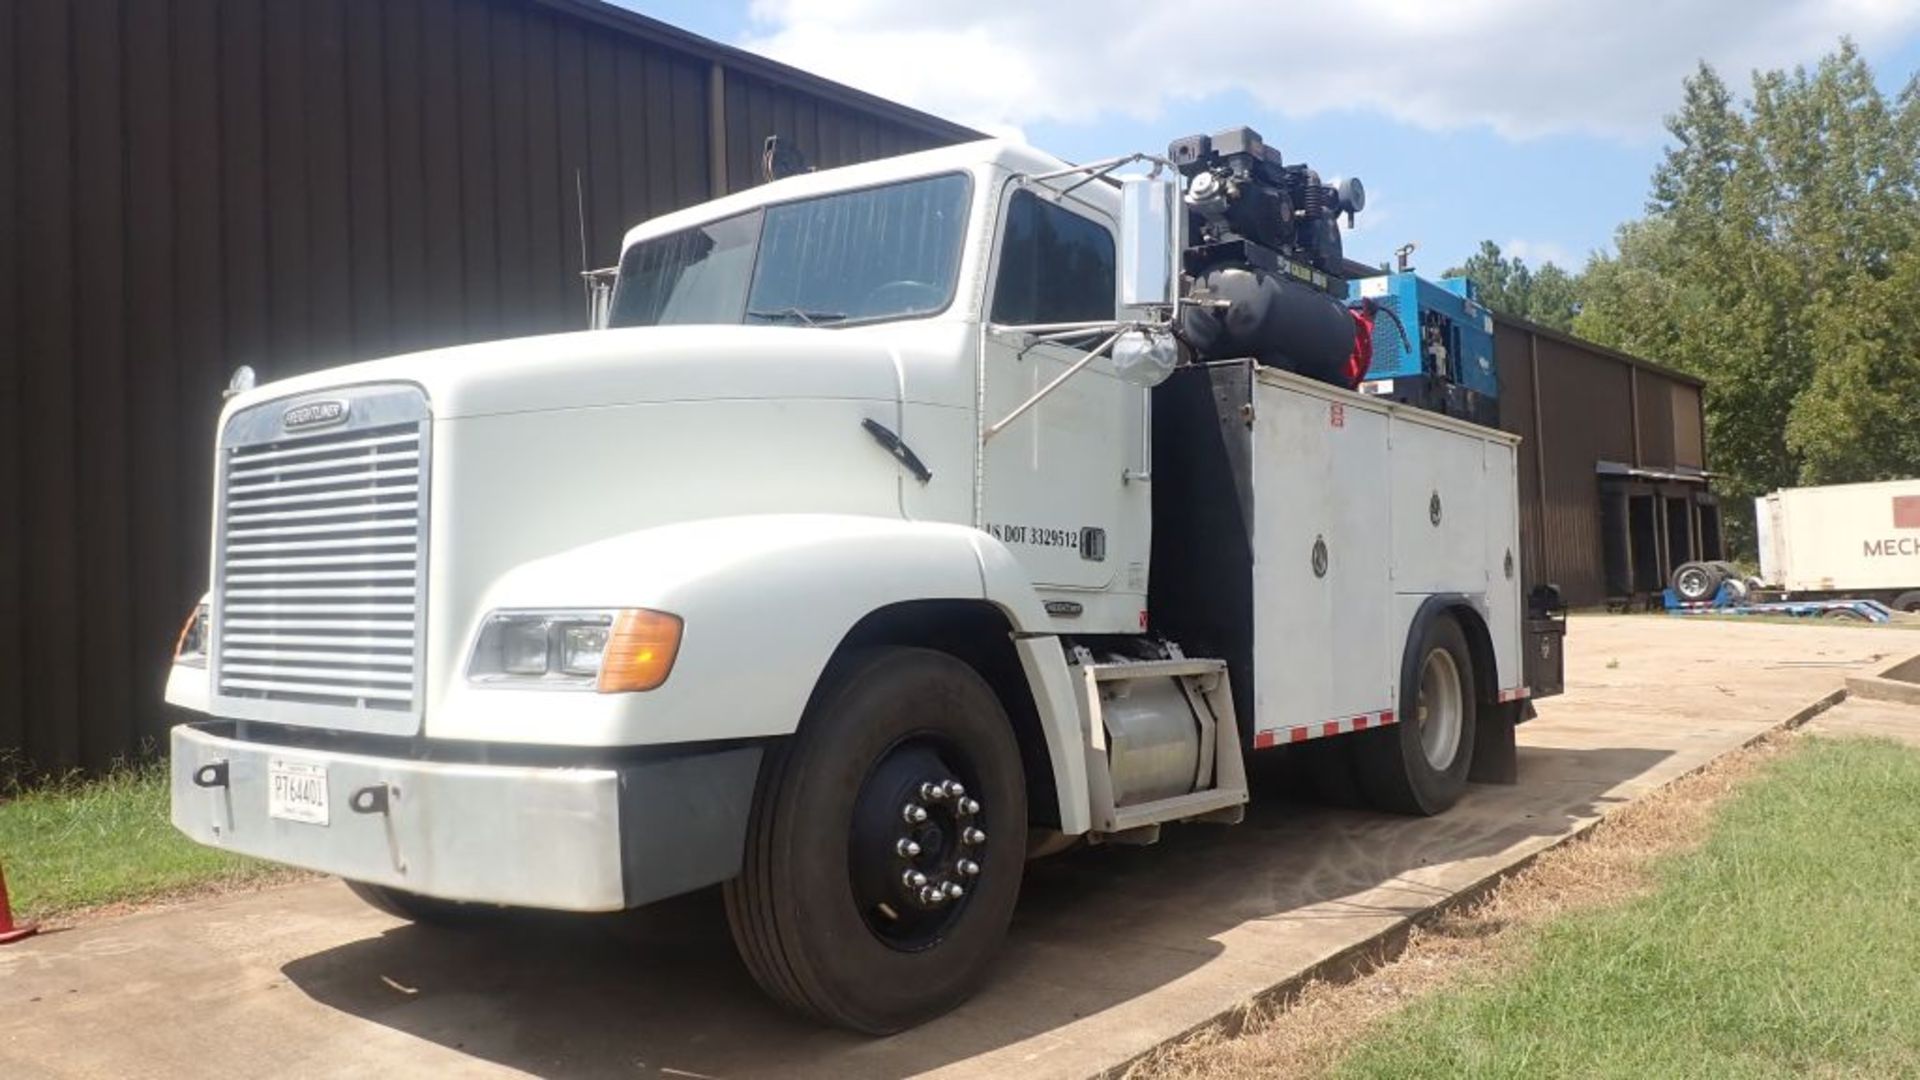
(1420, 765)
(1843, 614)
(886, 845)
(1907, 601)
(1696, 582)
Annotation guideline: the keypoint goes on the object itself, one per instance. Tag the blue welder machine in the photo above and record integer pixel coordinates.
(1432, 346)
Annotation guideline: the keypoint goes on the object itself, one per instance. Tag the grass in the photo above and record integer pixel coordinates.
(1784, 945)
(79, 844)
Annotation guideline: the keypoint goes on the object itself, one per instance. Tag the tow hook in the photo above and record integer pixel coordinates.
(211, 775)
(378, 799)
(371, 799)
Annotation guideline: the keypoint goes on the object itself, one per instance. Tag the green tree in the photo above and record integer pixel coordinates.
(1548, 296)
(1779, 259)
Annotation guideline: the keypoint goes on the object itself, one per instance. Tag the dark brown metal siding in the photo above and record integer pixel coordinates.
(1655, 422)
(1689, 437)
(827, 134)
(1515, 365)
(1578, 412)
(189, 186)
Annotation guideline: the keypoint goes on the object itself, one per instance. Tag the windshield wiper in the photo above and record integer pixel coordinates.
(789, 314)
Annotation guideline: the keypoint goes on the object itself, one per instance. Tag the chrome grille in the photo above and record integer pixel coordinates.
(319, 567)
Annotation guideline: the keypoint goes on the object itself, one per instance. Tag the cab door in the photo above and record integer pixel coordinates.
(1063, 484)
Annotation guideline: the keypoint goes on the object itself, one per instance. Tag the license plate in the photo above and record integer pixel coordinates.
(297, 791)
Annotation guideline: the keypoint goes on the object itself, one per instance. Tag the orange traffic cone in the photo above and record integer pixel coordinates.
(11, 931)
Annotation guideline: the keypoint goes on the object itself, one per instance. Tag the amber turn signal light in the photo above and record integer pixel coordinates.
(640, 651)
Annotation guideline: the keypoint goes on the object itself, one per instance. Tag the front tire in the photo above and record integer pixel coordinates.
(886, 845)
(1419, 765)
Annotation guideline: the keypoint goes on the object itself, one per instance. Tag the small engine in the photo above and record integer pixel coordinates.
(1264, 248)
(1240, 191)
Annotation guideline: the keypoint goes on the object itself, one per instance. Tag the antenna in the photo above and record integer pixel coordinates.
(586, 274)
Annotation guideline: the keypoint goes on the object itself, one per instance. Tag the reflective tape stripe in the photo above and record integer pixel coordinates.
(1322, 730)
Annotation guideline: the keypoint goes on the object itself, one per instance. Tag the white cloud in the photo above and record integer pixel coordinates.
(1538, 253)
(1521, 67)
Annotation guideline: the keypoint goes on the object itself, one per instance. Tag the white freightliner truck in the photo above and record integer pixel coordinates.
(875, 545)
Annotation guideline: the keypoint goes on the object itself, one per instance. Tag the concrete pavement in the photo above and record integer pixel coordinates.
(1113, 950)
(1862, 718)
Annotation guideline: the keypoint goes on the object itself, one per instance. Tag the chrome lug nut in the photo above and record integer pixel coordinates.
(968, 867)
(913, 879)
(906, 848)
(933, 792)
(974, 836)
(954, 788)
(969, 806)
(954, 891)
(914, 813)
(932, 896)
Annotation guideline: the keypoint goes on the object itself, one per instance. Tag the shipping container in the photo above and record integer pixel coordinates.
(1856, 540)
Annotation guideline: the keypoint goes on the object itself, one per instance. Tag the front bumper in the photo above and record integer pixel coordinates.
(573, 839)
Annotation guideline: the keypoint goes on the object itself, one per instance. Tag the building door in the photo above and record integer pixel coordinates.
(1616, 549)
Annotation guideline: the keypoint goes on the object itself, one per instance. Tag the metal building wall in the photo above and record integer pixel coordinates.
(1577, 404)
(192, 185)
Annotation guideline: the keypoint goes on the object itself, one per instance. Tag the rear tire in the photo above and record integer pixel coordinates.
(1697, 582)
(1419, 765)
(413, 907)
(823, 912)
(1907, 601)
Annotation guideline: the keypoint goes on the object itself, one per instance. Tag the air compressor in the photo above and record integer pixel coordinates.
(1264, 260)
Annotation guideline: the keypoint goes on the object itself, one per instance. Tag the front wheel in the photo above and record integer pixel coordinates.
(1420, 765)
(886, 845)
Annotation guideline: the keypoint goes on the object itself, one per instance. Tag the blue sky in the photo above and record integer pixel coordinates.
(1532, 124)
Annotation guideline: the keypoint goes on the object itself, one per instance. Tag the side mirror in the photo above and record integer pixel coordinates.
(1149, 241)
(1145, 358)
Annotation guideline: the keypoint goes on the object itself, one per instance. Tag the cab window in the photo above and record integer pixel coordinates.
(1055, 266)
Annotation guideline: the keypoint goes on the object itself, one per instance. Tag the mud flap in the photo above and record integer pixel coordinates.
(1496, 759)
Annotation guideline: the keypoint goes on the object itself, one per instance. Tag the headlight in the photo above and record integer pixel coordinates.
(608, 651)
(190, 647)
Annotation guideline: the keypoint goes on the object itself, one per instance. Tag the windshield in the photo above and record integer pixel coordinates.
(889, 252)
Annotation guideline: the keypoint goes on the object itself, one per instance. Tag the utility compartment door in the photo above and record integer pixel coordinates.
(1439, 508)
(1322, 597)
(1505, 609)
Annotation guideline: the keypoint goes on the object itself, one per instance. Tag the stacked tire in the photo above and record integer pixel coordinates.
(1699, 582)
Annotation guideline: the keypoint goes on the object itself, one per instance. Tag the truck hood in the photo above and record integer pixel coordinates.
(595, 368)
